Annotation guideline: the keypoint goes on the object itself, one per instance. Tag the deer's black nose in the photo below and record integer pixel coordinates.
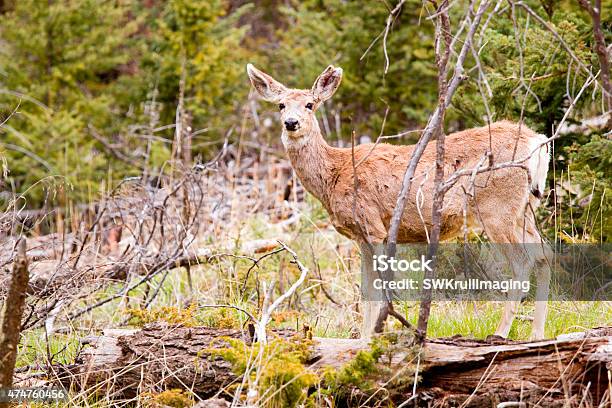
(291, 124)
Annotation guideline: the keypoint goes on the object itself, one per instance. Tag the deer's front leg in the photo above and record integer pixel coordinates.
(510, 309)
(372, 299)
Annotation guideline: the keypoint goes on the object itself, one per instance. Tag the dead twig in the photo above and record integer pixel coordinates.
(601, 50)
(443, 49)
(432, 125)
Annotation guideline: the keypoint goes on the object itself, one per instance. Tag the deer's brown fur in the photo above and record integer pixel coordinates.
(327, 172)
(499, 202)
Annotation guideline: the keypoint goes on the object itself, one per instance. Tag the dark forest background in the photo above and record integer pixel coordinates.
(89, 89)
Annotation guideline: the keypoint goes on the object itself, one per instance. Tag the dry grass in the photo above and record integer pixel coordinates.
(233, 221)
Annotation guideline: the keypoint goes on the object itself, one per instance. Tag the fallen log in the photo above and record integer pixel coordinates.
(453, 371)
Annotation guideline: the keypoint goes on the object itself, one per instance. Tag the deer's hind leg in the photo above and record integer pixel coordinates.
(525, 251)
(520, 272)
(540, 255)
(500, 224)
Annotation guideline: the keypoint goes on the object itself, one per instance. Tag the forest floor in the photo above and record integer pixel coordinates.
(247, 230)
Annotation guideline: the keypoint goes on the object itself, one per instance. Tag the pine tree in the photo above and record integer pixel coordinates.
(59, 60)
(198, 61)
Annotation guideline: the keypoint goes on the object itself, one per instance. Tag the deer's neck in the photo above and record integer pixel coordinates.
(314, 162)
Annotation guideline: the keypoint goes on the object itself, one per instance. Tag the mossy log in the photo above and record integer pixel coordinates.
(451, 371)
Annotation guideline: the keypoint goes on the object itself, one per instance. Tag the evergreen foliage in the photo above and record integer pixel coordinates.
(89, 89)
(58, 65)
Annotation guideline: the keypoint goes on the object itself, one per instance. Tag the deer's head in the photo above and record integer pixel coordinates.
(297, 106)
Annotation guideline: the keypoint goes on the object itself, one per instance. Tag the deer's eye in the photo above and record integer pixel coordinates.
(309, 105)
(281, 106)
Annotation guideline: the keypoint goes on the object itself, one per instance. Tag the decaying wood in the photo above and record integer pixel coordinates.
(157, 357)
(10, 318)
(451, 370)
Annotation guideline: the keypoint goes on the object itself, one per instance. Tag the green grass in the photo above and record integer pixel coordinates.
(480, 319)
(34, 348)
(220, 282)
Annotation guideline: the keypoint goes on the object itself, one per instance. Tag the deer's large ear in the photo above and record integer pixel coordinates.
(267, 87)
(327, 83)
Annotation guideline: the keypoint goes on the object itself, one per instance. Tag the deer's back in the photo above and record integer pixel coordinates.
(380, 169)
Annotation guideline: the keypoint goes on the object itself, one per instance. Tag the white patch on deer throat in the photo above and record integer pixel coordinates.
(292, 142)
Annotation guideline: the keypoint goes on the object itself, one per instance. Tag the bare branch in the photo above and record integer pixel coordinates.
(262, 322)
(432, 126)
(600, 49)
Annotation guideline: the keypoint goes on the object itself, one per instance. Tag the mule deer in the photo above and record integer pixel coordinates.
(501, 204)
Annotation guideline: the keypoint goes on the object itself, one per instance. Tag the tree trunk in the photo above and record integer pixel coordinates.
(10, 319)
(452, 371)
